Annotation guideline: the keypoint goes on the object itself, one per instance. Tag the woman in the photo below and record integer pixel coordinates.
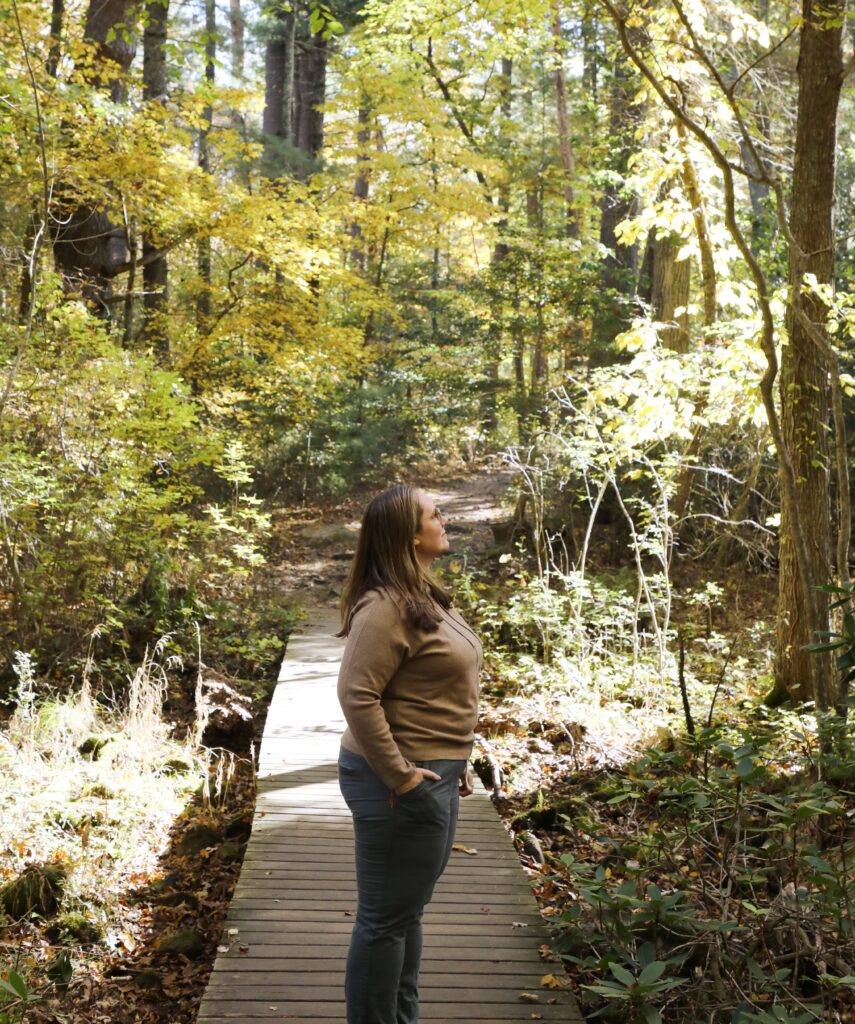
(408, 687)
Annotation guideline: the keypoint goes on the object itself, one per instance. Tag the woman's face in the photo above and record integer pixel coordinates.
(431, 541)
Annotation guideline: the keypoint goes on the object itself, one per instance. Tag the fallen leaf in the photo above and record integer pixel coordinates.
(519, 924)
(465, 849)
(550, 981)
(243, 949)
(529, 997)
(222, 949)
(233, 931)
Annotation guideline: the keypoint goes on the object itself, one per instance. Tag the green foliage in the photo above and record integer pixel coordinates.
(640, 986)
(725, 821)
(15, 995)
(842, 640)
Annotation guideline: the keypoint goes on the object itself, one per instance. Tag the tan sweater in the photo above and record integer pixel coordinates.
(407, 695)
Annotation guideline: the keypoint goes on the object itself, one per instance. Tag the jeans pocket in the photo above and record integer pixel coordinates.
(423, 806)
(416, 791)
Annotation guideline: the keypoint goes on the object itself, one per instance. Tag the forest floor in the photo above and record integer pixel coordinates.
(168, 900)
(572, 794)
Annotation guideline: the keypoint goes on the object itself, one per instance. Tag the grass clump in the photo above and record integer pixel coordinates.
(36, 890)
(95, 786)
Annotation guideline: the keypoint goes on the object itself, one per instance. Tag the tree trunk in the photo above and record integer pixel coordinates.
(696, 200)
(590, 53)
(360, 184)
(156, 270)
(310, 82)
(693, 194)
(490, 396)
(274, 87)
(115, 49)
(520, 390)
(237, 24)
(804, 381)
(203, 247)
(620, 267)
(289, 57)
(534, 218)
(278, 118)
(57, 12)
(54, 52)
(669, 291)
(568, 161)
(88, 248)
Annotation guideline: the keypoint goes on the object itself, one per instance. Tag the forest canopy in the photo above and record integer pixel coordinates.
(322, 241)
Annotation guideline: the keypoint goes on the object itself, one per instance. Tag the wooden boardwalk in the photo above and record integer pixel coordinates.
(289, 924)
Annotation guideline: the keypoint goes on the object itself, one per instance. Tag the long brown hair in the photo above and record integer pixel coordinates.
(386, 557)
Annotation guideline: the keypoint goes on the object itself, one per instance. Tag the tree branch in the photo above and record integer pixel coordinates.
(767, 336)
(455, 112)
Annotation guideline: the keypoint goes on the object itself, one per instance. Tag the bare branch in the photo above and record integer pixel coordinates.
(727, 91)
(760, 59)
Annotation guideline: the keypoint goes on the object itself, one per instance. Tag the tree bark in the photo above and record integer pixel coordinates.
(568, 160)
(669, 291)
(696, 200)
(360, 184)
(693, 194)
(114, 56)
(490, 396)
(539, 368)
(88, 248)
(520, 389)
(804, 382)
(237, 24)
(620, 268)
(279, 71)
(310, 83)
(274, 87)
(203, 246)
(156, 269)
(289, 56)
(57, 12)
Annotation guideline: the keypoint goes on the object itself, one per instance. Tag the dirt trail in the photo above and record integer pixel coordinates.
(315, 554)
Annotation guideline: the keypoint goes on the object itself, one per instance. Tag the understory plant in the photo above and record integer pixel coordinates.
(728, 861)
(92, 784)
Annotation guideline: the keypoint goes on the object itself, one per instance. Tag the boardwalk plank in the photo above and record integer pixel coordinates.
(292, 911)
(328, 965)
(313, 1010)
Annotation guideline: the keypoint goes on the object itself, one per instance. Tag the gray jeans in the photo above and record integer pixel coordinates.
(402, 847)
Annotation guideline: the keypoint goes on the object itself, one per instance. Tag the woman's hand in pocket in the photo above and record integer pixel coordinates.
(419, 775)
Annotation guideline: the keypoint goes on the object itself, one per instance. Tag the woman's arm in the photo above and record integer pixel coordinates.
(376, 646)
